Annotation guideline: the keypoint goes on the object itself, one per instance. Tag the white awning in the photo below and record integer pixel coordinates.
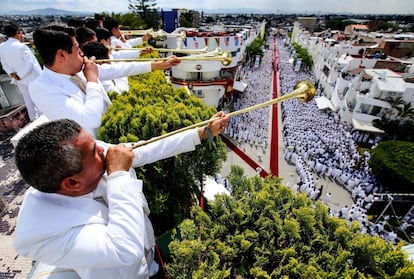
(239, 86)
(365, 126)
(324, 103)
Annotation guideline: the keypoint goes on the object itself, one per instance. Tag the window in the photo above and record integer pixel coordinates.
(198, 93)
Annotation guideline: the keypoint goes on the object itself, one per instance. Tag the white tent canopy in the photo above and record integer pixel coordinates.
(365, 126)
(239, 86)
(324, 103)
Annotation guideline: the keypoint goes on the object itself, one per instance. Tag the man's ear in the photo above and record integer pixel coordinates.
(70, 186)
(60, 54)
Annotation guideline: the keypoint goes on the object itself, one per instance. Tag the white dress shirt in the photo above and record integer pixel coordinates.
(117, 43)
(16, 57)
(125, 54)
(58, 97)
(96, 240)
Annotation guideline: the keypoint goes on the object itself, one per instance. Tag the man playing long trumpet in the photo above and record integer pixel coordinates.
(70, 86)
(105, 36)
(118, 40)
(86, 209)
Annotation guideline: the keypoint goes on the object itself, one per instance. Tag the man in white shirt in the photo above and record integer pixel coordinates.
(118, 40)
(86, 209)
(104, 36)
(70, 85)
(21, 65)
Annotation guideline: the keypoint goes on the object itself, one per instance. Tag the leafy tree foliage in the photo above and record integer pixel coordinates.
(129, 20)
(264, 230)
(142, 6)
(385, 26)
(301, 52)
(395, 129)
(255, 49)
(338, 23)
(146, 9)
(186, 20)
(392, 163)
(398, 123)
(152, 108)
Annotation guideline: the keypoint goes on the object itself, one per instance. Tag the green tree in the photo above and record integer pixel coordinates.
(147, 10)
(386, 26)
(152, 108)
(128, 21)
(301, 52)
(186, 20)
(254, 49)
(393, 164)
(209, 19)
(398, 122)
(264, 230)
(396, 104)
(406, 111)
(338, 24)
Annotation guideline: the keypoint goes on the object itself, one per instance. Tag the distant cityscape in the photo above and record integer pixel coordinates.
(30, 20)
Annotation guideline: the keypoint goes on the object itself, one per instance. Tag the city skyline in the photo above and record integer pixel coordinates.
(268, 6)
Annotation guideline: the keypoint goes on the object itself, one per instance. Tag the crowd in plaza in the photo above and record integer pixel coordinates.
(252, 127)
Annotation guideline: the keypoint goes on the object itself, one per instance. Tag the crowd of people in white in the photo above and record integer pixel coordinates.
(316, 142)
(253, 127)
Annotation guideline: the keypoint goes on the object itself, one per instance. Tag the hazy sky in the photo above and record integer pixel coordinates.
(349, 6)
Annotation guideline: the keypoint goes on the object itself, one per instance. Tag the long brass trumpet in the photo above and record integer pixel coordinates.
(304, 91)
(225, 58)
(137, 32)
(176, 50)
(155, 34)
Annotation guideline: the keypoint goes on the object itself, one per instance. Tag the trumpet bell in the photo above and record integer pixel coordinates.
(310, 90)
(227, 58)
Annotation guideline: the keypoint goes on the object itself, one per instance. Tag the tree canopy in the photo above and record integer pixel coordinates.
(128, 21)
(392, 163)
(146, 9)
(264, 230)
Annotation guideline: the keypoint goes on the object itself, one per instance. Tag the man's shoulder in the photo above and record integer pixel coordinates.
(45, 78)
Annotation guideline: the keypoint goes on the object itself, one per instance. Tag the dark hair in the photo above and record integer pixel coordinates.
(84, 35)
(50, 39)
(97, 49)
(103, 34)
(11, 30)
(46, 155)
(111, 23)
(99, 17)
(67, 29)
(92, 23)
(76, 22)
